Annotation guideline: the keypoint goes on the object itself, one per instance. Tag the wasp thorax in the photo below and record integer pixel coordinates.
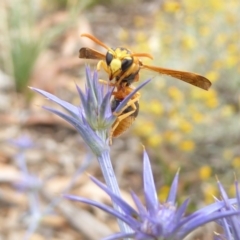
(122, 56)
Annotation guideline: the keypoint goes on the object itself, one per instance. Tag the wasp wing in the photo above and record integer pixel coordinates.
(191, 78)
(91, 54)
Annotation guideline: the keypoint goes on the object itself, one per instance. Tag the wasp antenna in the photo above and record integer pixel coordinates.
(94, 39)
(142, 55)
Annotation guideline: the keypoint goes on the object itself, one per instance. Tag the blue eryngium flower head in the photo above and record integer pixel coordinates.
(155, 220)
(231, 224)
(94, 118)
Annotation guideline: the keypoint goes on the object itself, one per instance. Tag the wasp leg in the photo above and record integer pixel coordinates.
(107, 83)
(123, 116)
(131, 103)
(103, 64)
(118, 120)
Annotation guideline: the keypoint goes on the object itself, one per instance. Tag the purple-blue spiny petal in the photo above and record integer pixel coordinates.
(105, 110)
(213, 207)
(82, 95)
(103, 207)
(149, 185)
(224, 195)
(203, 219)
(237, 194)
(141, 208)
(73, 110)
(90, 137)
(173, 190)
(127, 209)
(73, 121)
(91, 98)
(90, 86)
(90, 109)
(126, 99)
(143, 236)
(151, 207)
(119, 235)
(181, 211)
(227, 231)
(97, 87)
(233, 221)
(88, 76)
(79, 126)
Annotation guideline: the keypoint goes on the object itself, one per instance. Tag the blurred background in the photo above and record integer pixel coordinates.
(180, 125)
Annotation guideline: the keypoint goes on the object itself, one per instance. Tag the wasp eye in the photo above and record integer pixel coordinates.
(126, 63)
(109, 58)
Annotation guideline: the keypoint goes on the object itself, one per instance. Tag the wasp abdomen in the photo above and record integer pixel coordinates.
(123, 126)
(124, 120)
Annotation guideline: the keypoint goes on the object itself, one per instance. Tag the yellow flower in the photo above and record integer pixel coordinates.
(221, 39)
(213, 76)
(205, 172)
(211, 94)
(163, 193)
(154, 141)
(185, 126)
(227, 111)
(218, 64)
(232, 48)
(209, 191)
(231, 60)
(155, 107)
(232, 191)
(171, 136)
(192, 5)
(187, 145)
(211, 99)
(199, 94)
(212, 102)
(204, 31)
(217, 5)
(176, 94)
(171, 6)
(197, 117)
(145, 129)
(189, 42)
(236, 162)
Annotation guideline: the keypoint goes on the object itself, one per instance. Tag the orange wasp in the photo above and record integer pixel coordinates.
(124, 66)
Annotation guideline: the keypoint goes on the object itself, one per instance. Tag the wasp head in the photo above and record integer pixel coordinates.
(118, 60)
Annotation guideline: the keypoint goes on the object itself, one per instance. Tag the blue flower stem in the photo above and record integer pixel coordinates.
(111, 182)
